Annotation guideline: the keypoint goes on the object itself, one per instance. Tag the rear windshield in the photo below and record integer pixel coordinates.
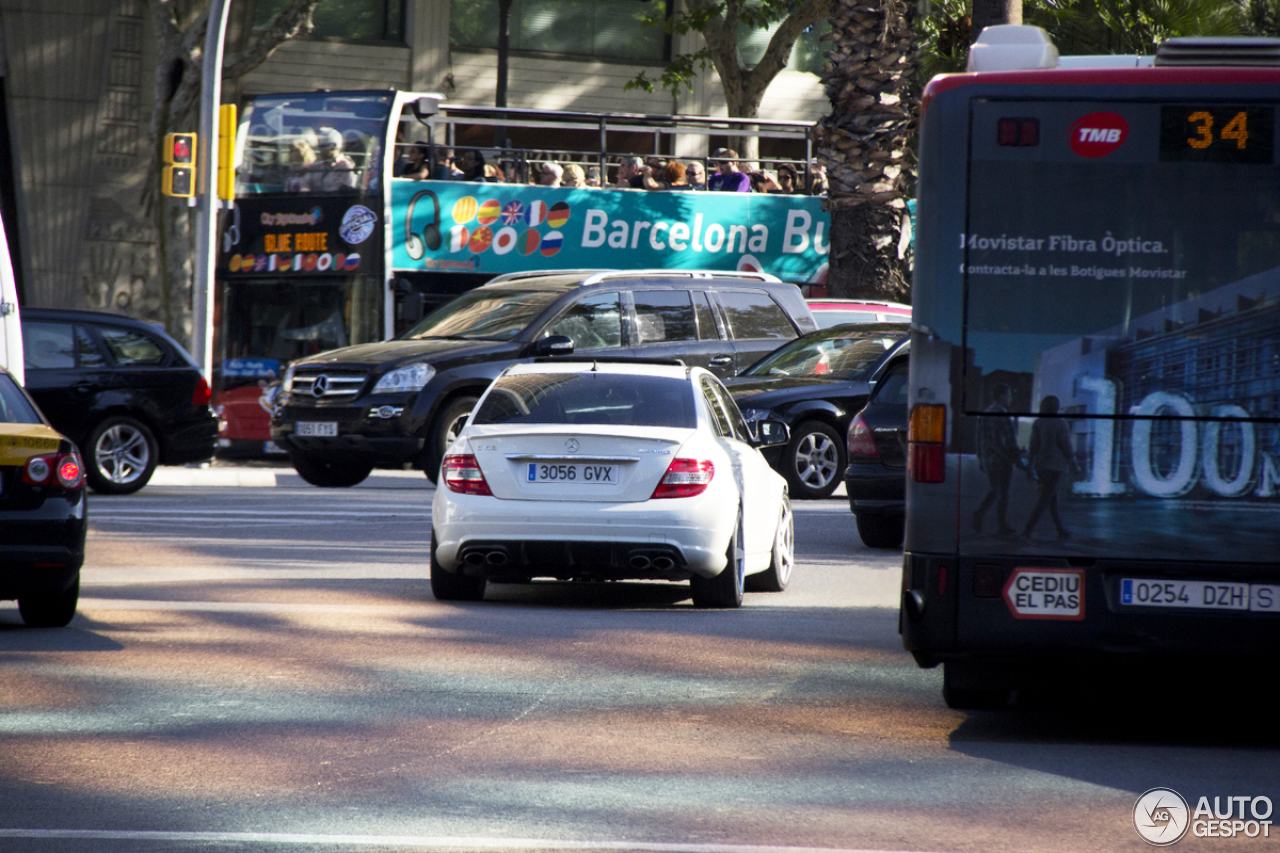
(493, 315)
(613, 399)
(834, 354)
(1114, 268)
(14, 407)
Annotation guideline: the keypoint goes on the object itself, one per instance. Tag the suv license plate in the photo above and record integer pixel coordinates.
(322, 428)
(544, 472)
(1199, 595)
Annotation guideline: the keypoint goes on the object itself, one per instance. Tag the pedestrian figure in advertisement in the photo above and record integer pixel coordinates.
(998, 454)
(1050, 457)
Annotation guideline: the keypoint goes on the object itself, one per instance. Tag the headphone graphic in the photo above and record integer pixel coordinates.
(430, 235)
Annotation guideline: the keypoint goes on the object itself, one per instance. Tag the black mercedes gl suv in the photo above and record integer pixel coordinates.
(401, 402)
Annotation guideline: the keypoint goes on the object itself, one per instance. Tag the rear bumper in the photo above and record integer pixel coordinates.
(39, 555)
(581, 539)
(193, 442)
(876, 489)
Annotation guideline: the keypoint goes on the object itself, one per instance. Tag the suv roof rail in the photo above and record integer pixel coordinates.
(516, 276)
(665, 273)
(610, 359)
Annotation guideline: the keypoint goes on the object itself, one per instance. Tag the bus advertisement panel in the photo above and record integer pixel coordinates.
(1095, 372)
(476, 227)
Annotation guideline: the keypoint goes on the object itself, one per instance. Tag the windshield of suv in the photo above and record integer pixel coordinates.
(492, 315)
(831, 354)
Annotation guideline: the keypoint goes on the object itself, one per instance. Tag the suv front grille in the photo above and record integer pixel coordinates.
(330, 387)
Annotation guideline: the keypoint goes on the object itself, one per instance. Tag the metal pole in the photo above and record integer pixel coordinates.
(202, 290)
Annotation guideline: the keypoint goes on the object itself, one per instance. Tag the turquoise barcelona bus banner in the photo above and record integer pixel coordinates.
(474, 227)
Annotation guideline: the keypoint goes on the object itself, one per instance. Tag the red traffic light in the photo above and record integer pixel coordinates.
(180, 149)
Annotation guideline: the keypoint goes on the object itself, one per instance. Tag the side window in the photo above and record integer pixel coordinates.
(129, 347)
(48, 346)
(753, 314)
(87, 350)
(717, 408)
(736, 422)
(664, 315)
(706, 319)
(592, 322)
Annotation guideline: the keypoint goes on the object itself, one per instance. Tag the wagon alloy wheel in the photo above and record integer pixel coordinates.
(814, 460)
(122, 456)
(447, 426)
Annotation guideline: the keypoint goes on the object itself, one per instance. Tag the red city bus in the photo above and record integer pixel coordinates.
(1094, 438)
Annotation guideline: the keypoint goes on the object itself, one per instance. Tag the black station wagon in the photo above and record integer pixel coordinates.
(344, 412)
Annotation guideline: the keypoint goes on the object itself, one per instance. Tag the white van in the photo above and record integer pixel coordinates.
(10, 325)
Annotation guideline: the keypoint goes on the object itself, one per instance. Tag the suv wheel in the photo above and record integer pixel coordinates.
(121, 456)
(328, 473)
(813, 461)
(445, 428)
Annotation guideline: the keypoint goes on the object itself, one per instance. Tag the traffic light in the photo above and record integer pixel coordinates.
(227, 152)
(180, 175)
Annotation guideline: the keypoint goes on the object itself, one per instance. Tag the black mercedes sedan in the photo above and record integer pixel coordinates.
(42, 512)
(816, 384)
(876, 479)
(124, 391)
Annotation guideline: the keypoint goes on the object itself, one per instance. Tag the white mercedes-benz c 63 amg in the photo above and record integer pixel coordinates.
(600, 470)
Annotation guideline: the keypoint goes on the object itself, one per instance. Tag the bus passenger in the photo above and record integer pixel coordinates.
(574, 176)
(695, 175)
(551, 174)
(998, 455)
(300, 157)
(414, 163)
(1050, 457)
(332, 171)
(728, 179)
(670, 178)
(472, 166)
(630, 173)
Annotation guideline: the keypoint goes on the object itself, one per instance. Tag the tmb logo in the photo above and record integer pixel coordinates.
(1098, 134)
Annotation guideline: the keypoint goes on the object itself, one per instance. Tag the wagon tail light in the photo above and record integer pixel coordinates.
(462, 474)
(861, 442)
(201, 395)
(926, 437)
(64, 468)
(685, 478)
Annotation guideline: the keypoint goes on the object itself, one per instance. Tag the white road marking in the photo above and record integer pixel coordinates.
(423, 842)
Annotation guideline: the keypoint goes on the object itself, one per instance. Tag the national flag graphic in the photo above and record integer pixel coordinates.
(529, 242)
(489, 212)
(353, 261)
(512, 213)
(480, 239)
(551, 243)
(458, 237)
(464, 209)
(558, 215)
(537, 213)
(504, 240)
(749, 263)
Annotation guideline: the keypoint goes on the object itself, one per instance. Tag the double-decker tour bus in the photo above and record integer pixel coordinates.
(332, 241)
(1094, 436)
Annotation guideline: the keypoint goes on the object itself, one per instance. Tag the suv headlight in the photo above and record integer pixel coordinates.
(287, 385)
(409, 378)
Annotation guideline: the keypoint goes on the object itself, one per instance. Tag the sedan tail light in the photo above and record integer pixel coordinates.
(66, 468)
(861, 441)
(461, 473)
(685, 478)
(201, 395)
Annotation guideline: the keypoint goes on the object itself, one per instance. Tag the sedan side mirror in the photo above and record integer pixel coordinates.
(771, 434)
(554, 345)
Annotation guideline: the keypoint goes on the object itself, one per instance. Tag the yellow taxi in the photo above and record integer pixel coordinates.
(42, 512)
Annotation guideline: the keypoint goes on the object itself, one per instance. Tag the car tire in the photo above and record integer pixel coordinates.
(724, 591)
(328, 473)
(50, 610)
(453, 586)
(783, 558)
(444, 429)
(813, 461)
(120, 456)
(971, 694)
(879, 531)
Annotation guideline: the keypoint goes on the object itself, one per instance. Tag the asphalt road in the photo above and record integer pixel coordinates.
(260, 666)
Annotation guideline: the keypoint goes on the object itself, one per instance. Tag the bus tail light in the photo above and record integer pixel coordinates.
(926, 434)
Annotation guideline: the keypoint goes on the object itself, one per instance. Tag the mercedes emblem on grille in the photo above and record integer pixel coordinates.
(571, 445)
(321, 386)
